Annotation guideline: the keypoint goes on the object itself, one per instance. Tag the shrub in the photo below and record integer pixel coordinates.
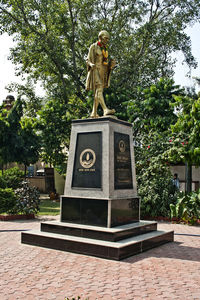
(13, 177)
(28, 199)
(2, 183)
(7, 200)
(155, 188)
(187, 207)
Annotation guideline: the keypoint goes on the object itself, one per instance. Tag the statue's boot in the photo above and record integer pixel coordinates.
(108, 112)
(93, 115)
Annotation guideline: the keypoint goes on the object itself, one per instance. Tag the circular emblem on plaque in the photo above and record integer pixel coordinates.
(122, 146)
(87, 158)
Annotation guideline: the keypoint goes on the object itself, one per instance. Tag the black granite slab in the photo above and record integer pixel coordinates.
(95, 212)
(87, 171)
(122, 162)
(103, 249)
(84, 211)
(125, 211)
(99, 233)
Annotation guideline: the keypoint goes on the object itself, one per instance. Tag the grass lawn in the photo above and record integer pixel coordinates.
(48, 207)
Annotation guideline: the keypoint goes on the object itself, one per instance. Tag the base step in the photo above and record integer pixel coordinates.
(105, 249)
(112, 234)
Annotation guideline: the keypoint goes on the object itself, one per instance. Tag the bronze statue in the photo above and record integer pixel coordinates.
(99, 71)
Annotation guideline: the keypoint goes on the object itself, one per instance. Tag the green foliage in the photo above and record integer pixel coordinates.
(154, 184)
(54, 125)
(2, 182)
(187, 207)
(186, 145)
(51, 44)
(4, 128)
(20, 141)
(151, 110)
(28, 199)
(152, 115)
(26, 92)
(53, 38)
(13, 177)
(7, 200)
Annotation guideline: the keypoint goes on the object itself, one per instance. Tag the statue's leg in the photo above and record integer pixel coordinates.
(95, 106)
(106, 111)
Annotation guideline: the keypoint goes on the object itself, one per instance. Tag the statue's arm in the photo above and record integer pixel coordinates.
(112, 64)
(91, 58)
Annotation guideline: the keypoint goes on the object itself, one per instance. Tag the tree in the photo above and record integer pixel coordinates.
(186, 144)
(29, 150)
(4, 126)
(53, 37)
(19, 140)
(152, 115)
(26, 92)
(152, 110)
(54, 124)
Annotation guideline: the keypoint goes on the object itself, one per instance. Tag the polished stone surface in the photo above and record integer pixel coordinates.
(84, 211)
(122, 164)
(105, 212)
(124, 211)
(100, 233)
(87, 171)
(109, 250)
(76, 184)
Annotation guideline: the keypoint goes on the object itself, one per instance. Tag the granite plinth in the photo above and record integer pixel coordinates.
(101, 162)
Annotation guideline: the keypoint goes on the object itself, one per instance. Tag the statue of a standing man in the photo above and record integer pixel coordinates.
(99, 71)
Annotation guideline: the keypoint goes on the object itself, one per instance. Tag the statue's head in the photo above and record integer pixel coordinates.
(104, 36)
(10, 98)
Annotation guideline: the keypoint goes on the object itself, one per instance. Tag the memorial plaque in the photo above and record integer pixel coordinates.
(122, 163)
(88, 161)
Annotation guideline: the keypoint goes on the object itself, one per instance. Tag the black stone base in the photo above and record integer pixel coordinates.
(104, 249)
(99, 233)
(98, 212)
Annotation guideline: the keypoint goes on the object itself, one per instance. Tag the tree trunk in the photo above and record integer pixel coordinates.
(25, 171)
(188, 177)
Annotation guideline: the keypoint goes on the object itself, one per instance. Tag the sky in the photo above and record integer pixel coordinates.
(7, 69)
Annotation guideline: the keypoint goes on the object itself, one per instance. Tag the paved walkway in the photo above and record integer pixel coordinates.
(171, 271)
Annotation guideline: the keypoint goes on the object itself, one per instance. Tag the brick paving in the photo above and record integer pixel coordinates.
(171, 271)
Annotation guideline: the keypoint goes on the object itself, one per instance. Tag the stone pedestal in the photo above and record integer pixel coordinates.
(100, 209)
(100, 184)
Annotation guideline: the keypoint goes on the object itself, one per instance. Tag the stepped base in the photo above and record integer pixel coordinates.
(112, 234)
(110, 243)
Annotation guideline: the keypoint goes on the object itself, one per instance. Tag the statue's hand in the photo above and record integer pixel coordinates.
(92, 66)
(113, 63)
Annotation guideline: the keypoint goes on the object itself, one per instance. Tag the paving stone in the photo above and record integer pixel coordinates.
(171, 271)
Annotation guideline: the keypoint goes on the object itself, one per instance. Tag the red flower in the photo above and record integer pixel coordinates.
(182, 143)
(99, 44)
(170, 141)
(148, 147)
